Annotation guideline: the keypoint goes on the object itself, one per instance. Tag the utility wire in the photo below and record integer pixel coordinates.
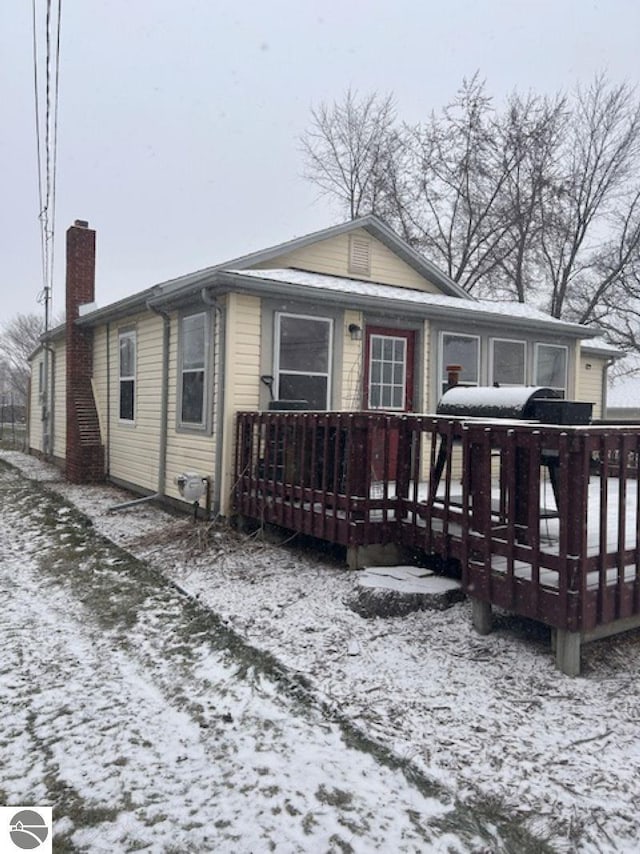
(54, 153)
(36, 102)
(47, 153)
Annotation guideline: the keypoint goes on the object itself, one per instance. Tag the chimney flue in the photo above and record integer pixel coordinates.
(81, 223)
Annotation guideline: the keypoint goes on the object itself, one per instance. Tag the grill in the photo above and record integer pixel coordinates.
(526, 403)
(521, 403)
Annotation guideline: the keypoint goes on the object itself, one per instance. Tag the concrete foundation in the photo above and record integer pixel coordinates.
(389, 554)
(568, 651)
(481, 616)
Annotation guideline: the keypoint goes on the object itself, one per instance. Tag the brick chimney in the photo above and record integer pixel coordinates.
(85, 452)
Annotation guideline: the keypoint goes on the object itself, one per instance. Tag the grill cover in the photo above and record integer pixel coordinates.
(491, 402)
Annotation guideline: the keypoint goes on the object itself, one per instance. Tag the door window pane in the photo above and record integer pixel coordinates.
(387, 372)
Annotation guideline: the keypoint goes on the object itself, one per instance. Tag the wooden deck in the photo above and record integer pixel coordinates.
(543, 520)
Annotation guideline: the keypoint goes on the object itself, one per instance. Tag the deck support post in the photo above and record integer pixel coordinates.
(568, 652)
(481, 617)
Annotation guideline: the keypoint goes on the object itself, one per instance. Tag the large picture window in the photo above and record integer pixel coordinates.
(303, 359)
(551, 366)
(463, 350)
(193, 369)
(508, 362)
(127, 349)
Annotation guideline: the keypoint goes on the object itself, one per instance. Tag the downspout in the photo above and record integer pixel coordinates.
(605, 381)
(52, 407)
(107, 462)
(217, 479)
(164, 399)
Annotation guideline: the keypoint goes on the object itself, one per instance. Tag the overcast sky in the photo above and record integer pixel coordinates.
(179, 121)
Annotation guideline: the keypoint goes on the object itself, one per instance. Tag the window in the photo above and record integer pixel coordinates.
(551, 366)
(127, 346)
(40, 378)
(387, 372)
(193, 370)
(463, 350)
(508, 361)
(303, 359)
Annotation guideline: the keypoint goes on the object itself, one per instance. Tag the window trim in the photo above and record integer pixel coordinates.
(130, 333)
(564, 389)
(442, 374)
(492, 342)
(204, 426)
(276, 353)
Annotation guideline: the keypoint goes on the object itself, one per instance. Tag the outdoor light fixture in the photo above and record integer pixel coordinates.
(355, 332)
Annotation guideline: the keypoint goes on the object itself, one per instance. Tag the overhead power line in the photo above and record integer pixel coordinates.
(46, 39)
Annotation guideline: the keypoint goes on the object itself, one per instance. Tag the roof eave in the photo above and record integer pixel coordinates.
(237, 282)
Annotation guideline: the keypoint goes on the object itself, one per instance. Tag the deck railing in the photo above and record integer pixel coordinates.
(544, 520)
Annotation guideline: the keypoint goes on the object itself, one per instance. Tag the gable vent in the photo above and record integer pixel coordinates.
(359, 256)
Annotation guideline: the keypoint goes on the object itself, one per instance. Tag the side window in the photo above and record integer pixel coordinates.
(463, 350)
(303, 359)
(193, 370)
(551, 367)
(508, 362)
(127, 348)
(40, 377)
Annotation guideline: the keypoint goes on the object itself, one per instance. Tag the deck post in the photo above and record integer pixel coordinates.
(568, 652)
(481, 617)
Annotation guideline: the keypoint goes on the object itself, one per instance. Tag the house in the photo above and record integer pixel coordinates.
(348, 318)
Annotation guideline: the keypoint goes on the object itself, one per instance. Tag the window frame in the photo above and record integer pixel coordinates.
(277, 371)
(492, 361)
(539, 344)
(442, 373)
(204, 425)
(130, 334)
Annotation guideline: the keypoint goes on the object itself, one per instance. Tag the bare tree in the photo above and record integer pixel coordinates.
(459, 176)
(538, 200)
(590, 220)
(530, 132)
(18, 339)
(346, 149)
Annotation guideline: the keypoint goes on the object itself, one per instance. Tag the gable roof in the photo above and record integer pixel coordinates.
(370, 223)
(182, 286)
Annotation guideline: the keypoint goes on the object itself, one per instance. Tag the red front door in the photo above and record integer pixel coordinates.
(388, 387)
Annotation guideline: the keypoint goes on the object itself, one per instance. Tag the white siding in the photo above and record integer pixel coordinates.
(331, 256)
(35, 405)
(186, 451)
(350, 395)
(242, 377)
(60, 400)
(590, 381)
(134, 448)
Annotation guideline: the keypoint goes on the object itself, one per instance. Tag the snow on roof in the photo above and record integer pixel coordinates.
(357, 287)
(601, 345)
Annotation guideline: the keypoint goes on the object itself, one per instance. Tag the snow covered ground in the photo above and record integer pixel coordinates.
(487, 719)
